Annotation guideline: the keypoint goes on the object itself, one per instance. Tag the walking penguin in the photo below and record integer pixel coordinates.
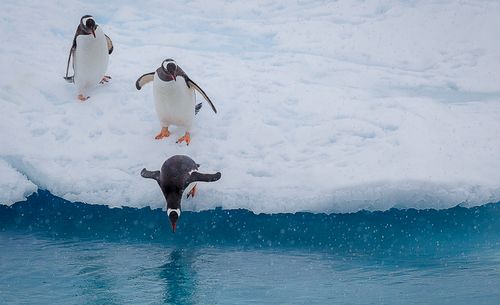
(174, 97)
(90, 52)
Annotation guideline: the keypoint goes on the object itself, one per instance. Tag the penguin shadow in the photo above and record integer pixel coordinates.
(179, 277)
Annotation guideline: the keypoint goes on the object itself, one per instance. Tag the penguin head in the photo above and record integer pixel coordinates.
(88, 24)
(173, 215)
(169, 66)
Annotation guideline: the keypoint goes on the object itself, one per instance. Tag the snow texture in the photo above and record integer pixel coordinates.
(323, 106)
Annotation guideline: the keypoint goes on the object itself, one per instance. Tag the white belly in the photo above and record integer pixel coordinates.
(91, 60)
(174, 102)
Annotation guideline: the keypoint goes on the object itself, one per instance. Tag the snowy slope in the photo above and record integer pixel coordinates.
(323, 106)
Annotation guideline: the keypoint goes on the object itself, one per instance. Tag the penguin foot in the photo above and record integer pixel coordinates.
(83, 98)
(163, 133)
(192, 192)
(105, 79)
(186, 138)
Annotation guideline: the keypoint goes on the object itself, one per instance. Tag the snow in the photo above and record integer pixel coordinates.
(323, 106)
(14, 186)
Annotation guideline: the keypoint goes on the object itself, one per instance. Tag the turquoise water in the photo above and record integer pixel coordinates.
(57, 252)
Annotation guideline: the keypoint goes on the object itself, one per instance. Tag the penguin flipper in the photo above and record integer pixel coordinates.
(70, 79)
(110, 44)
(196, 176)
(144, 79)
(190, 83)
(151, 174)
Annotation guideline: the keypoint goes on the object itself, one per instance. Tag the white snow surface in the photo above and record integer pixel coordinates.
(323, 106)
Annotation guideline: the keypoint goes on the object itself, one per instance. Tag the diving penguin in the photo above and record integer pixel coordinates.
(174, 98)
(175, 175)
(90, 52)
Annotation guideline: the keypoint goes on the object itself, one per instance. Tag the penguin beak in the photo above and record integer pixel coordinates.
(174, 77)
(93, 32)
(173, 216)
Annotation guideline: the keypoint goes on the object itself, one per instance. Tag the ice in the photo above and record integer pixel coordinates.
(14, 186)
(323, 106)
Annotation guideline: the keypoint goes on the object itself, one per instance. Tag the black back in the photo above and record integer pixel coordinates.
(175, 175)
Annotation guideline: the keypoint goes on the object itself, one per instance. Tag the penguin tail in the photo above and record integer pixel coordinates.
(197, 108)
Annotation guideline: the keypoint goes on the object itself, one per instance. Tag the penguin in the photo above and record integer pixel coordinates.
(174, 94)
(174, 177)
(90, 52)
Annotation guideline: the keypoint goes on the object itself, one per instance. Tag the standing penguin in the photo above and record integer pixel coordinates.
(175, 175)
(90, 52)
(174, 98)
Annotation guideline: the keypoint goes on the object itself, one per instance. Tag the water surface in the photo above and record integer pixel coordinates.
(57, 252)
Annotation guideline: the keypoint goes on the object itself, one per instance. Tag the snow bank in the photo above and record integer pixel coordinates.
(322, 106)
(14, 186)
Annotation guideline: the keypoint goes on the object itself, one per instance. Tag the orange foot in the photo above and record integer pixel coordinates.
(163, 133)
(192, 192)
(105, 79)
(186, 138)
(83, 98)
